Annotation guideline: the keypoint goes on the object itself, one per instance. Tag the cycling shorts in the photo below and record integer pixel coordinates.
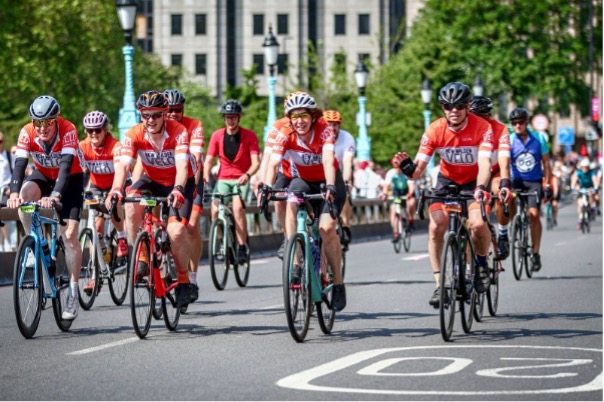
(529, 187)
(442, 182)
(159, 190)
(298, 185)
(72, 199)
(282, 181)
(230, 186)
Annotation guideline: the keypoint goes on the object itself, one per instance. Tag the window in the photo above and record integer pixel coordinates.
(340, 62)
(176, 24)
(282, 63)
(363, 24)
(340, 24)
(258, 60)
(365, 58)
(282, 24)
(201, 64)
(177, 60)
(150, 25)
(200, 24)
(258, 24)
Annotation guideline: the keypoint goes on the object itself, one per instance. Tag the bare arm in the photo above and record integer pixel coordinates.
(484, 171)
(207, 168)
(182, 171)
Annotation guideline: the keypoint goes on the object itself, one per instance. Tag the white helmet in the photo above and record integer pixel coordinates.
(299, 100)
(584, 163)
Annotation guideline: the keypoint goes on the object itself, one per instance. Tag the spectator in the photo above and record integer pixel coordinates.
(366, 181)
(7, 163)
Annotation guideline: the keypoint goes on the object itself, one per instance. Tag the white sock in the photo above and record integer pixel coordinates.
(193, 277)
(73, 289)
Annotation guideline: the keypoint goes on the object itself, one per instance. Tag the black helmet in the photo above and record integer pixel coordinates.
(231, 107)
(44, 107)
(481, 106)
(454, 92)
(519, 113)
(175, 97)
(151, 99)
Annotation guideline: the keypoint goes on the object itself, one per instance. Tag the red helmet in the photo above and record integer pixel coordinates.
(332, 116)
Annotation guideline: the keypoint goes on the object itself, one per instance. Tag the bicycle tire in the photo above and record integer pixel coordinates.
(142, 299)
(398, 243)
(449, 269)
(406, 235)
(242, 271)
(343, 264)
(325, 313)
(493, 291)
(296, 296)
(61, 282)
(528, 251)
(118, 280)
(482, 298)
(27, 296)
(89, 270)
(219, 261)
(467, 260)
(517, 248)
(170, 309)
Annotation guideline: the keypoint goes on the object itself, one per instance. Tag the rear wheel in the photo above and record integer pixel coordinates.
(406, 235)
(168, 304)
(517, 248)
(549, 213)
(61, 282)
(296, 288)
(118, 280)
(89, 271)
(242, 271)
(27, 288)
(142, 300)
(449, 268)
(219, 259)
(467, 273)
(325, 313)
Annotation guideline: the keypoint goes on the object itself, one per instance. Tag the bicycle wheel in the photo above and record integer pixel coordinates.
(242, 271)
(169, 307)
(397, 243)
(142, 298)
(528, 251)
(517, 248)
(89, 271)
(296, 288)
(27, 288)
(219, 260)
(493, 292)
(406, 235)
(343, 264)
(466, 281)
(449, 270)
(118, 280)
(61, 282)
(584, 220)
(483, 298)
(325, 313)
(549, 213)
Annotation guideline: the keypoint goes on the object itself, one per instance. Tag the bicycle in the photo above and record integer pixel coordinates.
(522, 250)
(161, 275)
(457, 266)
(40, 272)
(403, 226)
(100, 265)
(343, 242)
(307, 283)
(224, 247)
(549, 215)
(586, 211)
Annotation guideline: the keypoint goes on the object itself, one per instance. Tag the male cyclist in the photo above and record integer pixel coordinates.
(530, 167)
(308, 142)
(500, 169)
(584, 179)
(344, 152)
(397, 184)
(101, 153)
(464, 142)
(238, 153)
(52, 142)
(176, 107)
(162, 145)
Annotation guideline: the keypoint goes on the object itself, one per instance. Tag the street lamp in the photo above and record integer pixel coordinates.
(478, 88)
(129, 116)
(361, 73)
(271, 53)
(426, 93)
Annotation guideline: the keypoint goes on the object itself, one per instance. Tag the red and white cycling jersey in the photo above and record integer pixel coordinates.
(459, 150)
(65, 143)
(271, 139)
(101, 161)
(158, 164)
(196, 141)
(306, 159)
(501, 143)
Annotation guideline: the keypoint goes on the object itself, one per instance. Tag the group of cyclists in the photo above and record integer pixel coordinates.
(306, 151)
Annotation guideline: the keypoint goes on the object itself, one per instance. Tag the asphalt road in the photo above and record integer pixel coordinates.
(544, 344)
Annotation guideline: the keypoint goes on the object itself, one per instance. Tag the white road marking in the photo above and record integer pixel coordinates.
(417, 257)
(272, 307)
(561, 243)
(256, 262)
(105, 346)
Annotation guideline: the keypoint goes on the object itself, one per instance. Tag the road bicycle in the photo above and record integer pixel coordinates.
(403, 226)
(101, 265)
(522, 249)
(224, 247)
(586, 211)
(307, 277)
(457, 266)
(40, 272)
(549, 215)
(159, 279)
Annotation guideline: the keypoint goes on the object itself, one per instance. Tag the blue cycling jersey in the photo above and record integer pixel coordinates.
(526, 156)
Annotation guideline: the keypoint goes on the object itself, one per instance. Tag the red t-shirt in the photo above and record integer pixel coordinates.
(101, 161)
(233, 170)
(196, 141)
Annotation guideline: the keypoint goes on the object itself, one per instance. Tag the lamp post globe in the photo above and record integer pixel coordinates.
(426, 95)
(361, 74)
(129, 116)
(271, 55)
(478, 88)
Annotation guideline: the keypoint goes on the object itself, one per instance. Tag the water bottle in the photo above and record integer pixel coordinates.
(45, 251)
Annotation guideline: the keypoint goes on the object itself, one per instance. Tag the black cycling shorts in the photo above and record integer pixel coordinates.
(72, 199)
(298, 185)
(529, 187)
(159, 190)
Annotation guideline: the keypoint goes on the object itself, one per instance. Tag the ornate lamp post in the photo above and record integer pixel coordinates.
(426, 93)
(361, 73)
(271, 53)
(478, 88)
(129, 116)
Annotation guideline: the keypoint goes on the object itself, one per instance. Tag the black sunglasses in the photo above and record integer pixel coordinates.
(451, 106)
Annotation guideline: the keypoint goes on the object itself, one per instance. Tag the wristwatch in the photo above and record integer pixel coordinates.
(56, 194)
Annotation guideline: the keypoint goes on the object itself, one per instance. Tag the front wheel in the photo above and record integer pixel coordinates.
(219, 259)
(61, 282)
(518, 250)
(406, 235)
(325, 312)
(118, 280)
(467, 275)
(296, 288)
(242, 271)
(449, 271)
(27, 288)
(398, 242)
(142, 298)
(169, 307)
(89, 273)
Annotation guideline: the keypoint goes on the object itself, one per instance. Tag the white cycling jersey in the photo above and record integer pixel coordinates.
(344, 145)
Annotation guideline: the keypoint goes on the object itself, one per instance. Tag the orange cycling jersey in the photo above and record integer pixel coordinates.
(101, 161)
(158, 164)
(459, 150)
(196, 141)
(306, 159)
(47, 162)
(501, 143)
(271, 139)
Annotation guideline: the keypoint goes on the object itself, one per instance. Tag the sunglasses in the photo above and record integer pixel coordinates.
(300, 116)
(94, 130)
(147, 116)
(518, 122)
(451, 106)
(43, 123)
(175, 110)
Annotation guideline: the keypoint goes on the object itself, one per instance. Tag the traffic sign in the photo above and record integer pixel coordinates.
(566, 135)
(540, 122)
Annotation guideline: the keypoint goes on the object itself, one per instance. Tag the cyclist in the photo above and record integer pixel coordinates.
(530, 167)
(464, 142)
(500, 170)
(597, 173)
(556, 177)
(101, 152)
(52, 142)
(344, 152)
(238, 154)
(584, 178)
(397, 184)
(176, 106)
(163, 148)
(308, 142)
